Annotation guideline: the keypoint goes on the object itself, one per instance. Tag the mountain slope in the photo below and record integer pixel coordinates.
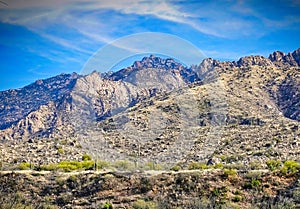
(158, 110)
(16, 104)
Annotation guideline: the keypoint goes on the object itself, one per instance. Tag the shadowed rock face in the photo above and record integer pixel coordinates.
(289, 96)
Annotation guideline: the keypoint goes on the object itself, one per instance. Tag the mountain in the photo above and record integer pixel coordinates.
(16, 104)
(159, 110)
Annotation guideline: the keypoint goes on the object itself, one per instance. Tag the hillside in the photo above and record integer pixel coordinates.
(158, 110)
(228, 130)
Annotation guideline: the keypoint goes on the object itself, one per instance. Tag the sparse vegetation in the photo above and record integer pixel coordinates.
(197, 165)
(142, 204)
(60, 150)
(123, 165)
(107, 205)
(153, 166)
(101, 164)
(273, 164)
(229, 173)
(290, 167)
(68, 166)
(175, 168)
(25, 166)
(86, 157)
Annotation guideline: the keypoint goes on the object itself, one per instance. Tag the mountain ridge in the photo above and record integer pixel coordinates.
(120, 110)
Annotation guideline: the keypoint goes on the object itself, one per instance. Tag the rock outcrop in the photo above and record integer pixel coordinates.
(281, 59)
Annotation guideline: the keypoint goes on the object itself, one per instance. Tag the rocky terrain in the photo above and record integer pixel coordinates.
(157, 114)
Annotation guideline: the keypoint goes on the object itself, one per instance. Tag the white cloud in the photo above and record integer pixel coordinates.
(224, 19)
(48, 10)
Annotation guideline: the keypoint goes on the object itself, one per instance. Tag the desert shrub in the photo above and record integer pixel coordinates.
(60, 181)
(153, 166)
(101, 164)
(145, 185)
(273, 164)
(290, 167)
(219, 165)
(296, 194)
(86, 157)
(25, 166)
(49, 167)
(72, 178)
(87, 165)
(142, 204)
(75, 165)
(68, 166)
(197, 165)
(123, 165)
(175, 168)
(237, 198)
(253, 175)
(229, 172)
(107, 205)
(60, 150)
(253, 184)
(255, 165)
(219, 192)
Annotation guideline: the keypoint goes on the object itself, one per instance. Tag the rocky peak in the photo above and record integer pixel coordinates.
(208, 65)
(254, 60)
(157, 62)
(281, 59)
(151, 62)
(277, 56)
(296, 55)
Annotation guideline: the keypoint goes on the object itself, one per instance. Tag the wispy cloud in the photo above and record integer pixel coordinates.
(90, 23)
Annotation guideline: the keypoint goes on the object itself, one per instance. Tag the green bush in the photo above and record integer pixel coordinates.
(69, 166)
(197, 165)
(107, 205)
(219, 165)
(230, 172)
(175, 168)
(253, 184)
(60, 151)
(86, 157)
(75, 165)
(49, 167)
(142, 204)
(25, 166)
(273, 164)
(290, 167)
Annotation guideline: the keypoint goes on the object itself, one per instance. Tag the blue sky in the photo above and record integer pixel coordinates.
(40, 39)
